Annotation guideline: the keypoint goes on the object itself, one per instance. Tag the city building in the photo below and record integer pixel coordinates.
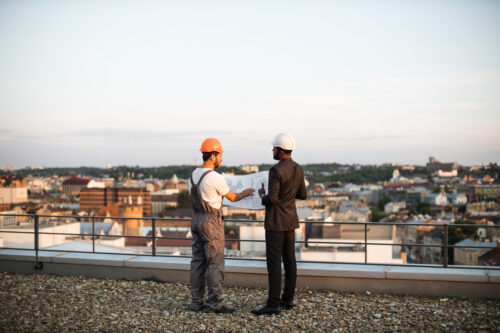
(348, 246)
(8, 221)
(177, 184)
(433, 253)
(250, 168)
(394, 207)
(38, 185)
(160, 202)
(490, 258)
(469, 255)
(13, 190)
(73, 185)
(50, 234)
(485, 191)
(93, 199)
(416, 195)
(440, 169)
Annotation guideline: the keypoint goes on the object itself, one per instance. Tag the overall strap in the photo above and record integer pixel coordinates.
(202, 176)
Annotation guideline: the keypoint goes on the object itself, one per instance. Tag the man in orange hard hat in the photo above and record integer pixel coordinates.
(207, 189)
(286, 183)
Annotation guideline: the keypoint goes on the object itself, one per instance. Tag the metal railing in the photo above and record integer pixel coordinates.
(445, 246)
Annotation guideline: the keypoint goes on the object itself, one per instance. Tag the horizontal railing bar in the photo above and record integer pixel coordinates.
(102, 217)
(473, 247)
(17, 248)
(90, 235)
(360, 242)
(258, 221)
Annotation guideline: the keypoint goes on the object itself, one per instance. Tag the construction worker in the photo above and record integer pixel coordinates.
(207, 189)
(286, 183)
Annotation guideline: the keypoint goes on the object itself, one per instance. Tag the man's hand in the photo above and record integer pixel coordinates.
(262, 191)
(248, 192)
(238, 196)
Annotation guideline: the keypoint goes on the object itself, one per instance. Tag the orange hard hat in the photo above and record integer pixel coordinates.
(211, 144)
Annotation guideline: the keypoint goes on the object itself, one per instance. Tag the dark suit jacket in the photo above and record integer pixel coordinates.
(286, 183)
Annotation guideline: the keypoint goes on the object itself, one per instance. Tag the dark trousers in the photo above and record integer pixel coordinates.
(281, 244)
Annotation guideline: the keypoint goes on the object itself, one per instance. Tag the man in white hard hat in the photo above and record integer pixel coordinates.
(207, 190)
(286, 183)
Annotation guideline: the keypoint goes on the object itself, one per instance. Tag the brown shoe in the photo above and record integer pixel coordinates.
(222, 309)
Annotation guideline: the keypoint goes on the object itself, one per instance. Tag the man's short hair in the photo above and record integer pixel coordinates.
(206, 155)
(287, 152)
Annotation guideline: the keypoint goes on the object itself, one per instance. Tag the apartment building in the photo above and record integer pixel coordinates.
(93, 199)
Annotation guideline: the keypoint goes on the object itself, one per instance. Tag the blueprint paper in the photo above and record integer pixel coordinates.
(238, 183)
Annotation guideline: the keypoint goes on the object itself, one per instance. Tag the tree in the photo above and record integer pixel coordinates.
(458, 234)
(183, 200)
(382, 202)
(377, 214)
(425, 209)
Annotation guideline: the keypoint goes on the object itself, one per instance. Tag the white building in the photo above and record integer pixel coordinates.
(8, 221)
(13, 195)
(349, 247)
(36, 185)
(96, 184)
(436, 199)
(55, 235)
(250, 168)
(394, 207)
(257, 232)
(458, 199)
(351, 251)
(27, 240)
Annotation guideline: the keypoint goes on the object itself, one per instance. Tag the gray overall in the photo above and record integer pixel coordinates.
(207, 264)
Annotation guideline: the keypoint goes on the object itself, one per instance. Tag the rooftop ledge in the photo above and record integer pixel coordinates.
(411, 280)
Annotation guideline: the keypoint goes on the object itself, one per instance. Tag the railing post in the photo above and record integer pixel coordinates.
(366, 241)
(93, 235)
(445, 245)
(153, 243)
(36, 237)
(38, 265)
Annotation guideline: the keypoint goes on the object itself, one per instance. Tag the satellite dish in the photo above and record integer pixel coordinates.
(481, 232)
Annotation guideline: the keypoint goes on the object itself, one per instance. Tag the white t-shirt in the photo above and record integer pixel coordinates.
(212, 187)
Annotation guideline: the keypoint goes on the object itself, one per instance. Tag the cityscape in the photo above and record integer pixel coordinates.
(391, 108)
(411, 204)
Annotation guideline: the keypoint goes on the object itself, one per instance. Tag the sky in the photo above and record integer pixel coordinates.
(90, 83)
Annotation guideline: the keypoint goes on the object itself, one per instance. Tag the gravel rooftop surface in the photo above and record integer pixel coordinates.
(48, 303)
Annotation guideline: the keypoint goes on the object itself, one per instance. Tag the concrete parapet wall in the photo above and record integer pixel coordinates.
(455, 282)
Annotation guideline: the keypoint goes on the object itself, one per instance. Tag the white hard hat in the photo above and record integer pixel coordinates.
(284, 141)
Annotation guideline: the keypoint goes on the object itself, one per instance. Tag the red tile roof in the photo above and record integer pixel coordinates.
(76, 181)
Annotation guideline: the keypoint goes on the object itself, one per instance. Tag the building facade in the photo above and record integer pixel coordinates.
(93, 199)
(13, 190)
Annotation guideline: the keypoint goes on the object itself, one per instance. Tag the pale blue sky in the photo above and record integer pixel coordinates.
(144, 82)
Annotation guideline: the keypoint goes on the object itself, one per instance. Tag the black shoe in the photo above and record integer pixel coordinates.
(196, 307)
(267, 309)
(287, 305)
(222, 309)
